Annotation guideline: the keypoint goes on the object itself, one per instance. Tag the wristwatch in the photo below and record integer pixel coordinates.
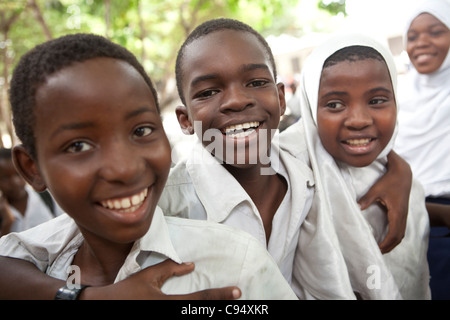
(72, 293)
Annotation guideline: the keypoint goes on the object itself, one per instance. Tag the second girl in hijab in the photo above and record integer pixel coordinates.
(349, 114)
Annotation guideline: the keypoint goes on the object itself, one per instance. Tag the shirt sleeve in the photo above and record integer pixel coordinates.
(42, 244)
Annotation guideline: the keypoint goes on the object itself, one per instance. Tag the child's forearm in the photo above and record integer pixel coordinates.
(20, 279)
(439, 214)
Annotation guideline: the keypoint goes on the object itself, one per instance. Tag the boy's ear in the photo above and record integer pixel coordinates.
(183, 120)
(282, 98)
(27, 168)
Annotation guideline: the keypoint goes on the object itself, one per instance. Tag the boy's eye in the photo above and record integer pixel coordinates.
(206, 94)
(143, 131)
(79, 146)
(257, 83)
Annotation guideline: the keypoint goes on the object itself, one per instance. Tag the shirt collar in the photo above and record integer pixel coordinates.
(157, 239)
(217, 189)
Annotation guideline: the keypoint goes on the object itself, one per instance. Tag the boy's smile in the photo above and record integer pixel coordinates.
(356, 111)
(229, 86)
(101, 147)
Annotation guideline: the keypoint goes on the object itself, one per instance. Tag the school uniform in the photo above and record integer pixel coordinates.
(223, 256)
(199, 187)
(424, 141)
(401, 273)
(37, 212)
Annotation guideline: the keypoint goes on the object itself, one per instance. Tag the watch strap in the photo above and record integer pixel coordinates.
(69, 293)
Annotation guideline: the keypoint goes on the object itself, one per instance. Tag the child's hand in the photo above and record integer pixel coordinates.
(146, 285)
(392, 191)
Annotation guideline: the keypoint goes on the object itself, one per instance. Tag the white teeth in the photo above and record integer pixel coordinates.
(126, 204)
(242, 129)
(358, 142)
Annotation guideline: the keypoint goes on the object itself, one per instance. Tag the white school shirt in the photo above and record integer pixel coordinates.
(199, 187)
(36, 212)
(223, 256)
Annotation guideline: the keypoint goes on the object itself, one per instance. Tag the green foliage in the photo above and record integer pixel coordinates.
(152, 29)
(333, 6)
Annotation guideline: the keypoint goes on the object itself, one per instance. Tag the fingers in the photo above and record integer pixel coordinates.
(227, 293)
(159, 273)
(394, 236)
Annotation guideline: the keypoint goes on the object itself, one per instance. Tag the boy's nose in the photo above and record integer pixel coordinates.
(358, 118)
(235, 98)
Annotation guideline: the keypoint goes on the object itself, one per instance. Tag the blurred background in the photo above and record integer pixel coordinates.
(154, 30)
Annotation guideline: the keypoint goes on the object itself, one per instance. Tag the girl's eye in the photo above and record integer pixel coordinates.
(143, 131)
(377, 101)
(79, 146)
(334, 105)
(437, 33)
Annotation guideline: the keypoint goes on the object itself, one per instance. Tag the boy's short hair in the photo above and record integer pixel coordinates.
(211, 26)
(352, 54)
(52, 56)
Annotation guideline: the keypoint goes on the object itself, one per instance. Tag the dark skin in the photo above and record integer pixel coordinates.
(242, 91)
(25, 282)
(12, 187)
(80, 136)
(219, 95)
(439, 214)
(390, 191)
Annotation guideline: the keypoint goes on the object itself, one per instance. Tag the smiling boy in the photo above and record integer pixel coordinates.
(92, 134)
(226, 79)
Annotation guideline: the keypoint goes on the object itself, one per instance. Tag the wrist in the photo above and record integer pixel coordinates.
(69, 292)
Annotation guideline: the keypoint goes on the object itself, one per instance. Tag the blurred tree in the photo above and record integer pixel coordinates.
(152, 29)
(333, 6)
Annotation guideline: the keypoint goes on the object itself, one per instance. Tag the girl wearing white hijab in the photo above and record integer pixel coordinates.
(344, 238)
(424, 100)
(424, 127)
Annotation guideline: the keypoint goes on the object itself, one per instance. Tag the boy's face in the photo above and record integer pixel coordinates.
(101, 147)
(428, 42)
(229, 86)
(11, 183)
(356, 112)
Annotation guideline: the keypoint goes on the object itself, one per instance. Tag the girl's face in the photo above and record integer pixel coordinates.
(101, 148)
(356, 111)
(428, 41)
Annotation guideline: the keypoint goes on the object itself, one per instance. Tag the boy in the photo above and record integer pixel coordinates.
(272, 206)
(231, 96)
(349, 115)
(105, 137)
(21, 208)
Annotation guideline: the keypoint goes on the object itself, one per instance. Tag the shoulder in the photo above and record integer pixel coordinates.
(207, 229)
(42, 243)
(178, 175)
(179, 192)
(208, 237)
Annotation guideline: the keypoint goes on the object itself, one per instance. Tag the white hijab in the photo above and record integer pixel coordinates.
(424, 115)
(335, 211)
